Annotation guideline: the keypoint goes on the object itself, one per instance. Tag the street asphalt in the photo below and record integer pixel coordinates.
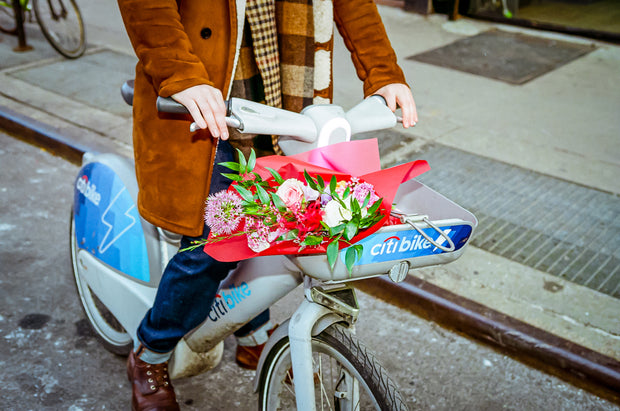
(559, 128)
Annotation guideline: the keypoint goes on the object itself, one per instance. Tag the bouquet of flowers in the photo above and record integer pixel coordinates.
(288, 205)
(308, 212)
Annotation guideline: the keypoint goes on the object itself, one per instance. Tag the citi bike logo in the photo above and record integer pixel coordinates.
(227, 299)
(88, 190)
(396, 245)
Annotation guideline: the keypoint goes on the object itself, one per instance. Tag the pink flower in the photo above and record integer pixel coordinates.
(291, 192)
(362, 190)
(223, 212)
(257, 233)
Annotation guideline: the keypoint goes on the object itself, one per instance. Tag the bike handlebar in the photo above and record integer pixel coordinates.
(315, 126)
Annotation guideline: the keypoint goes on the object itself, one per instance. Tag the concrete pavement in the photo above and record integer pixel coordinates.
(562, 125)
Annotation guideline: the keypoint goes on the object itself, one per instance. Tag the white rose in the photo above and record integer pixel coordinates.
(335, 214)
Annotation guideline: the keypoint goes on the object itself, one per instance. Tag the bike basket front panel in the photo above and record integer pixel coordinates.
(107, 223)
(408, 243)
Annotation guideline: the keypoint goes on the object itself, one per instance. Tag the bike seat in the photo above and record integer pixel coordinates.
(127, 91)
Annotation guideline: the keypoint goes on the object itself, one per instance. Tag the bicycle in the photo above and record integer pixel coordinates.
(311, 361)
(60, 21)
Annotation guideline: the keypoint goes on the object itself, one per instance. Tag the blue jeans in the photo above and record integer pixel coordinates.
(189, 284)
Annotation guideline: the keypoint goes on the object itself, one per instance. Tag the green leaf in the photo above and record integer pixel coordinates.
(332, 185)
(336, 230)
(373, 209)
(346, 193)
(320, 182)
(262, 195)
(350, 230)
(332, 253)
(293, 234)
(233, 177)
(309, 180)
(251, 161)
(312, 240)
(231, 165)
(277, 201)
(276, 175)
(366, 200)
(359, 249)
(243, 165)
(350, 257)
(245, 194)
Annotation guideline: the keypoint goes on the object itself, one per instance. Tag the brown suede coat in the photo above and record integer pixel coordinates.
(183, 43)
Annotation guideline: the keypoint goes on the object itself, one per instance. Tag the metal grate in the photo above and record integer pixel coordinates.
(515, 58)
(545, 223)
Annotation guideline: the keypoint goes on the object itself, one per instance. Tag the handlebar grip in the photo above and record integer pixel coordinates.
(169, 105)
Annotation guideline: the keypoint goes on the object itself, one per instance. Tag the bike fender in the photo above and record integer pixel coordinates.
(282, 332)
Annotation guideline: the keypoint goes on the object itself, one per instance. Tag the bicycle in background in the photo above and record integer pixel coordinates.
(60, 21)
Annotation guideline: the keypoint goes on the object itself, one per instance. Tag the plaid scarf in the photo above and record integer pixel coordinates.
(287, 64)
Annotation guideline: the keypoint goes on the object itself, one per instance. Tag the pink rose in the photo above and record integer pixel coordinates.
(291, 192)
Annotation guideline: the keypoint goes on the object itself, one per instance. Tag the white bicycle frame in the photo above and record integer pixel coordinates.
(256, 284)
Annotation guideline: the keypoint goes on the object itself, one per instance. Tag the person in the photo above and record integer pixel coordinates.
(197, 52)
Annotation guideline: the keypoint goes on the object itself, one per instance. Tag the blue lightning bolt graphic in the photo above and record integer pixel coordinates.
(103, 249)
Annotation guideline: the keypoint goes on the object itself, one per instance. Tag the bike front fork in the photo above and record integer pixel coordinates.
(320, 309)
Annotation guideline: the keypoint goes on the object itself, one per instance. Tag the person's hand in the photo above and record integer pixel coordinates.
(399, 94)
(206, 105)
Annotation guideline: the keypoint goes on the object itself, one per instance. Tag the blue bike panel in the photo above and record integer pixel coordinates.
(107, 223)
(401, 245)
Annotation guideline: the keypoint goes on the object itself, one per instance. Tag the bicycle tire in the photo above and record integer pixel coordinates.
(7, 20)
(354, 362)
(107, 329)
(62, 26)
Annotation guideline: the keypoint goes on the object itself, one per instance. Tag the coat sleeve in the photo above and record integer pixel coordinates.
(161, 44)
(360, 25)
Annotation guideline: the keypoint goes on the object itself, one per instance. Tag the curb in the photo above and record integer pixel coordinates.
(578, 365)
(42, 135)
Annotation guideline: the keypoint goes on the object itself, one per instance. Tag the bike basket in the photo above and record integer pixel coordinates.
(433, 230)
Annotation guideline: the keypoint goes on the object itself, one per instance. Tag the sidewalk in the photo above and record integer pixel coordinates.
(486, 140)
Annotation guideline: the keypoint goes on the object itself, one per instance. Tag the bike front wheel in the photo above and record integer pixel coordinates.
(347, 376)
(62, 25)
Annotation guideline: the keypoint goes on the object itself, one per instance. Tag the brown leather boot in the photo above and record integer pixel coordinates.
(247, 356)
(151, 386)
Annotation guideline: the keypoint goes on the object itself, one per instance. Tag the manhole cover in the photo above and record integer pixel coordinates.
(511, 57)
